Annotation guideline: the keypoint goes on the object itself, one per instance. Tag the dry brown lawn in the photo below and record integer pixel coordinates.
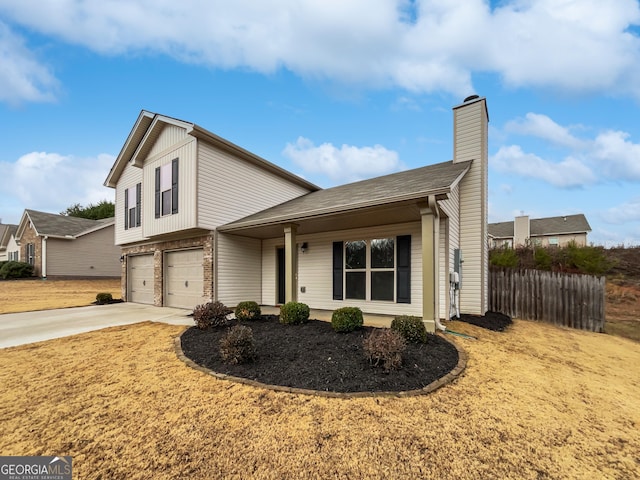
(29, 295)
(535, 402)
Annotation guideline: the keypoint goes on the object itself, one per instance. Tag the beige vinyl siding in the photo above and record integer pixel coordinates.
(91, 255)
(315, 269)
(230, 188)
(130, 177)
(186, 216)
(239, 266)
(470, 133)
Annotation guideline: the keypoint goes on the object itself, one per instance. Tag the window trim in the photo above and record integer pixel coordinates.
(173, 167)
(369, 270)
(135, 210)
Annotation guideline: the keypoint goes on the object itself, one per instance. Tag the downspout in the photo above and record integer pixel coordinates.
(44, 257)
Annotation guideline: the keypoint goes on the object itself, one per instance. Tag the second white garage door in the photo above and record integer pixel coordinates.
(184, 279)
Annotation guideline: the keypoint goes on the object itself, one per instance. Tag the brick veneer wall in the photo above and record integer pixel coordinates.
(29, 236)
(158, 249)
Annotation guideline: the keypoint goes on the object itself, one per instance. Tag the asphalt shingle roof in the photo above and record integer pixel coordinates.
(6, 230)
(62, 225)
(400, 186)
(544, 226)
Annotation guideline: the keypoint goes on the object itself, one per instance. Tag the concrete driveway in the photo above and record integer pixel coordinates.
(29, 327)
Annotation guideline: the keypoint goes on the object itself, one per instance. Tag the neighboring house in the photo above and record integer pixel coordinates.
(551, 231)
(199, 218)
(63, 246)
(8, 250)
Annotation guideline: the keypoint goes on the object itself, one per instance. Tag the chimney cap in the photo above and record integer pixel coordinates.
(470, 97)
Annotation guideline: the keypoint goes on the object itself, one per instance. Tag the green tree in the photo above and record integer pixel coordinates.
(103, 209)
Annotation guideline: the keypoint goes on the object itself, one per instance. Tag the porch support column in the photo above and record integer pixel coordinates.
(430, 264)
(290, 260)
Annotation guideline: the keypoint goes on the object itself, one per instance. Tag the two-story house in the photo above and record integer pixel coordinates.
(199, 218)
(544, 232)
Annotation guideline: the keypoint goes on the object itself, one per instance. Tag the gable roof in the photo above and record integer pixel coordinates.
(147, 129)
(6, 230)
(61, 226)
(397, 187)
(562, 225)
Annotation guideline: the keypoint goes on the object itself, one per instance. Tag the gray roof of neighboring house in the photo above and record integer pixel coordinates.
(6, 230)
(62, 225)
(544, 226)
(396, 187)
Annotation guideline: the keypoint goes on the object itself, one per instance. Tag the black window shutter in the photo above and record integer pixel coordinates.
(403, 277)
(158, 192)
(138, 204)
(126, 208)
(174, 186)
(338, 252)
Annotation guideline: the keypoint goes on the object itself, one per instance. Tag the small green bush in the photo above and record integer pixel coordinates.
(504, 257)
(542, 258)
(104, 298)
(247, 311)
(384, 348)
(293, 313)
(211, 314)
(238, 345)
(411, 328)
(346, 319)
(16, 270)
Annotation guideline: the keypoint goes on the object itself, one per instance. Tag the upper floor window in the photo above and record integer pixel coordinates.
(132, 206)
(166, 189)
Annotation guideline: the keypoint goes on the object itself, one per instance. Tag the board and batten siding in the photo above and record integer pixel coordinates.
(450, 229)
(470, 143)
(230, 188)
(315, 269)
(239, 269)
(130, 177)
(186, 216)
(169, 137)
(90, 255)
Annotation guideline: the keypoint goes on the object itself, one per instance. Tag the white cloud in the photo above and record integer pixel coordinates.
(567, 173)
(543, 127)
(626, 212)
(22, 77)
(344, 164)
(618, 157)
(52, 182)
(581, 46)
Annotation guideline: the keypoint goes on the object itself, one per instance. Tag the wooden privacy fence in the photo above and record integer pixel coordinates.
(571, 300)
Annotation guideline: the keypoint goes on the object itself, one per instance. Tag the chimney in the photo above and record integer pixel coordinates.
(470, 143)
(521, 231)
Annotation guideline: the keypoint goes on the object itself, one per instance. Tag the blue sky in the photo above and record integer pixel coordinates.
(333, 91)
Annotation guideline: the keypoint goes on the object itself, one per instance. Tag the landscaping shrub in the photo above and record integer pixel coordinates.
(104, 298)
(247, 311)
(211, 314)
(16, 270)
(238, 346)
(411, 328)
(384, 348)
(542, 258)
(504, 257)
(293, 313)
(346, 319)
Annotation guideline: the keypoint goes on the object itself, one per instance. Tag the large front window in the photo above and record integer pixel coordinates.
(370, 269)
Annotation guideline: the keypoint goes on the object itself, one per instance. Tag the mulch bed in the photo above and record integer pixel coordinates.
(313, 356)
(495, 321)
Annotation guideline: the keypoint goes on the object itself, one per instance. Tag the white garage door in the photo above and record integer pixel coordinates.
(140, 279)
(184, 279)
